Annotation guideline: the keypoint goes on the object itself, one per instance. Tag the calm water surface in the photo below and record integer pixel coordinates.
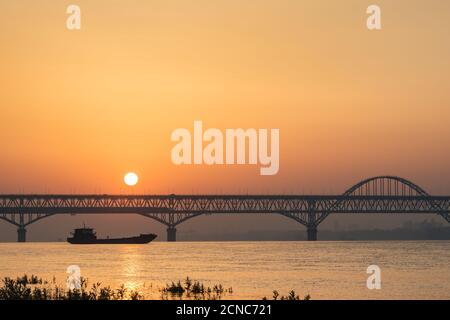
(325, 270)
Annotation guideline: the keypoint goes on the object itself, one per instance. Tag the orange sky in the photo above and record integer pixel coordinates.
(78, 109)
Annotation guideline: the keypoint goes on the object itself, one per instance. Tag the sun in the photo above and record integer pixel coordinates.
(131, 179)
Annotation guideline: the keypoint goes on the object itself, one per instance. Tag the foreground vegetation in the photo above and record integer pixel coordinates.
(194, 290)
(291, 296)
(35, 288)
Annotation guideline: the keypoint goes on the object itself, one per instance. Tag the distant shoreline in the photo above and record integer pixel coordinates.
(422, 231)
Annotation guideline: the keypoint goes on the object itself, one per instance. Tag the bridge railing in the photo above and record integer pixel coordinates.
(221, 204)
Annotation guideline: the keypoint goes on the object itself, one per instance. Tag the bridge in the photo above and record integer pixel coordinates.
(383, 194)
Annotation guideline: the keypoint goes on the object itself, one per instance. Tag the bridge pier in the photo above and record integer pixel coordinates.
(21, 234)
(171, 234)
(312, 233)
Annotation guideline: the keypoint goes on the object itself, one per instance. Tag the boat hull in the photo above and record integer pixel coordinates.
(142, 239)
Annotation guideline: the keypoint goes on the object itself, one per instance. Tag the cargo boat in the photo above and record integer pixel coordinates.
(88, 236)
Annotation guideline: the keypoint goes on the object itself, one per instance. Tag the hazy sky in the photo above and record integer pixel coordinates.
(78, 109)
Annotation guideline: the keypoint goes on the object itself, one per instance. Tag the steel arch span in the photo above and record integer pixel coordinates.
(387, 186)
(382, 194)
